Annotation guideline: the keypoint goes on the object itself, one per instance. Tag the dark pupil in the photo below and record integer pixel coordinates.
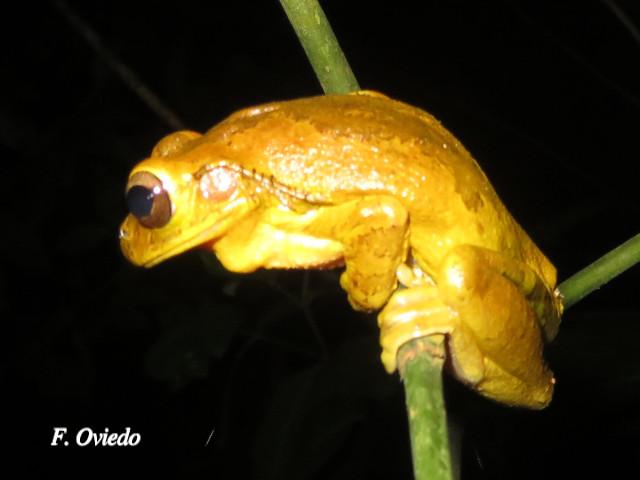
(140, 200)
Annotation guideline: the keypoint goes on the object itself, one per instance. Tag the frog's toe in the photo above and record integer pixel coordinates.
(410, 299)
(412, 313)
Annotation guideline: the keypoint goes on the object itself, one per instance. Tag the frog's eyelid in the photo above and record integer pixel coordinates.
(282, 191)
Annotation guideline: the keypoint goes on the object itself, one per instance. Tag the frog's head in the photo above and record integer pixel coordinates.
(181, 197)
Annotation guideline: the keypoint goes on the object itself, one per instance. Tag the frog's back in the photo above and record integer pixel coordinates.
(338, 147)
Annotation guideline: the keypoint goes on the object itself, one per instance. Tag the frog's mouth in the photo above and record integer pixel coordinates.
(132, 236)
(139, 248)
(147, 247)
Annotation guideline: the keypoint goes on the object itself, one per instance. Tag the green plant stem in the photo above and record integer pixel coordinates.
(600, 272)
(420, 363)
(320, 45)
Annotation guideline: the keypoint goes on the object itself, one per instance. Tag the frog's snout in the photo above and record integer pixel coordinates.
(127, 237)
(123, 234)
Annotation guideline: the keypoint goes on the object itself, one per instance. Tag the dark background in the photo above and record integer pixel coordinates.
(545, 94)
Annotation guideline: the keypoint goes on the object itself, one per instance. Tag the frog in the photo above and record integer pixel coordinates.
(375, 186)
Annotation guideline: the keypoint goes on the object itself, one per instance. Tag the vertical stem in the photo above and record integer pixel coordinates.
(320, 45)
(420, 362)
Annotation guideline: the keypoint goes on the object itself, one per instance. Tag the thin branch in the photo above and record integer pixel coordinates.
(118, 66)
(624, 19)
(420, 363)
(320, 45)
(600, 272)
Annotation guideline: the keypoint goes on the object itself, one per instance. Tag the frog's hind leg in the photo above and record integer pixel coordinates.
(488, 305)
(504, 304)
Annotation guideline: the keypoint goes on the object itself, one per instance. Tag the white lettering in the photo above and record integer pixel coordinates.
(89, 434)
(113, 438)
(58, 434)
(134, 440)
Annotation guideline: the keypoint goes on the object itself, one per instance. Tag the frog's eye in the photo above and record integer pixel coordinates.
(147, 200)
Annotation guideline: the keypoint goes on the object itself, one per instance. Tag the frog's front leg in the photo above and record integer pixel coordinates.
(373, 231)
(488, 306)
(369, 234)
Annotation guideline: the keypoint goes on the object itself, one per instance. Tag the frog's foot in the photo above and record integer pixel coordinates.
(418, 312)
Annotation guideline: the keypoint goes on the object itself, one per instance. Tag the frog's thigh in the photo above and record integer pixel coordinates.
(374, 233)
(488, 292)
